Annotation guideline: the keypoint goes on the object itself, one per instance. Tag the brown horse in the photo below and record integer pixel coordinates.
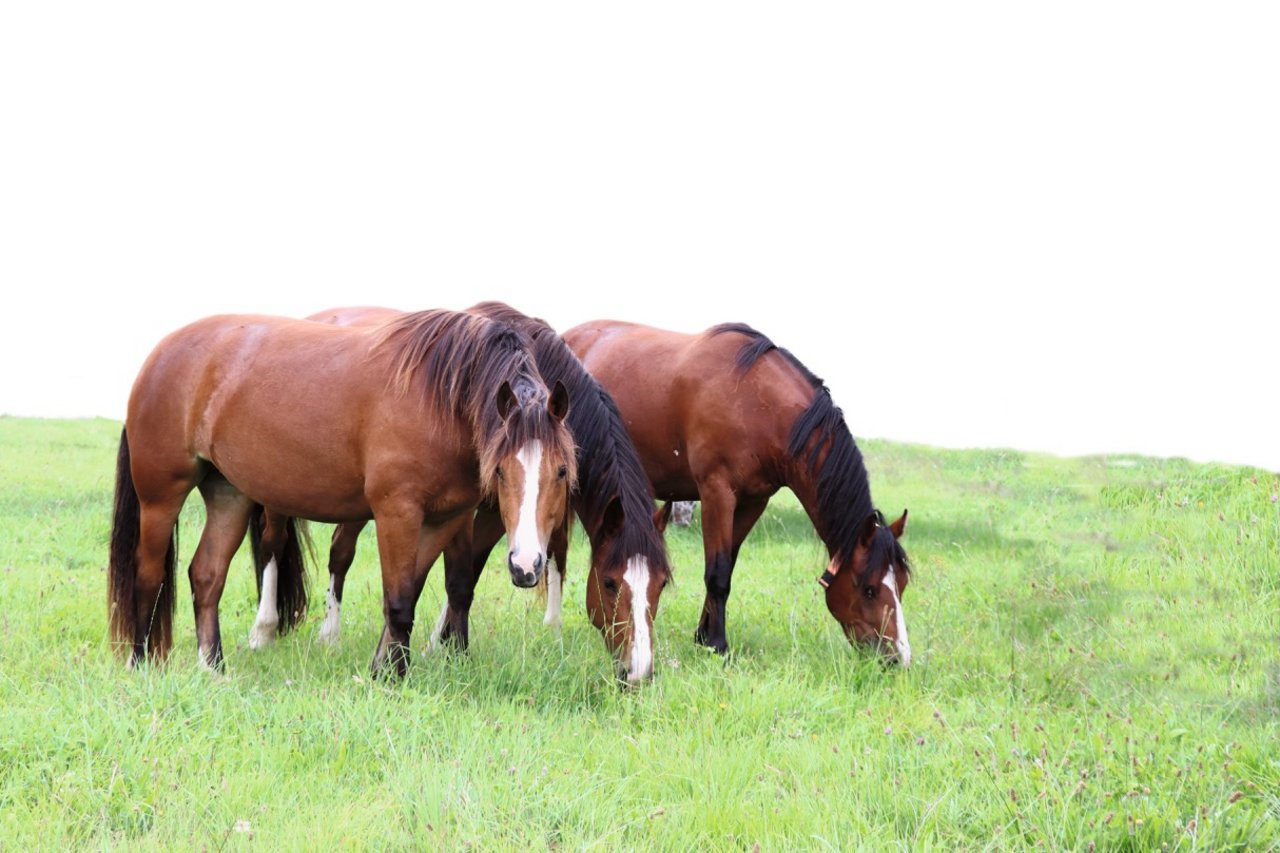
(614, 501)
(411, 424)
(728, 418)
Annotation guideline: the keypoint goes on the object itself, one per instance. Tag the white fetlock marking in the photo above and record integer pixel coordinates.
(332, 618)
(555, 594)
(902, 644)
(263, 632)
(439, 628)
(641, 659)
(203, 658)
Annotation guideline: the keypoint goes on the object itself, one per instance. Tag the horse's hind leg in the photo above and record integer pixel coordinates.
(342, 553)
(267, 623)
(153, 603)
(227, 518)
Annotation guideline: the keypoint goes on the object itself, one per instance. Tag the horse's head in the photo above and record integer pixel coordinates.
(624, 584)
(865, 594)
(534, 469)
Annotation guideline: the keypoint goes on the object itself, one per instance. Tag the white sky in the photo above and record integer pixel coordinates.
(985, 224)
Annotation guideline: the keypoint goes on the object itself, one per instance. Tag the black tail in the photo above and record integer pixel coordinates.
(122, 571)
(291, 566)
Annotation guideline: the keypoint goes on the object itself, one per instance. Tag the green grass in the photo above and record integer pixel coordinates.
(1096, 663)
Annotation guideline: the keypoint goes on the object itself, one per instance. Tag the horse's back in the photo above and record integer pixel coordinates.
(257, 396)
(688, 406)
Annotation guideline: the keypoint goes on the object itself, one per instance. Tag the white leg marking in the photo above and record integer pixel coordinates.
(203, 658)
(332, 618)
(555, 594)
(527, 547)
(637, 578)
(263, 631)
(439, 628)
(902, 644)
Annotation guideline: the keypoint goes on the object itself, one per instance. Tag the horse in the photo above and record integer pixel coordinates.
(727, 417)
(614, 502)
(412, 424)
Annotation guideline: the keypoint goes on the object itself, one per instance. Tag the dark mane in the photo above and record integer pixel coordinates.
(840, 478)
(608, 465)
(459, 362)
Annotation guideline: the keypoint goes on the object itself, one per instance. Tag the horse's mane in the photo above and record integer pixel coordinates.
(844, 495)
(608, 465)
(459, 362)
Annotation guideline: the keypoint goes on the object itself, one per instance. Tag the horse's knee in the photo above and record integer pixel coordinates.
(718, 578)
(400, 615)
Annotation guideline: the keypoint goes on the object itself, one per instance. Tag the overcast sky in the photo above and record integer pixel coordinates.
(1048, 227)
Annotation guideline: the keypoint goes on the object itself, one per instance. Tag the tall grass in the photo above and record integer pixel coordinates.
(1096, 664)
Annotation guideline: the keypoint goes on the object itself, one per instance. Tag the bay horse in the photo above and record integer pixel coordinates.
(614, 502)
(411, 424)
(727, 418)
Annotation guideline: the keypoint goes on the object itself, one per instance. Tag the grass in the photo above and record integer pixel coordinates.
(1096, 664)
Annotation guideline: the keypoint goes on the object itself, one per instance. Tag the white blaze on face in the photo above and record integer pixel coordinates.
(554, 594)
(527, 546)
(332, 617)
(263, 631)
(641, 659)
(900, 623)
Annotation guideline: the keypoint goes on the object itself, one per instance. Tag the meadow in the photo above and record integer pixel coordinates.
(1096, 664)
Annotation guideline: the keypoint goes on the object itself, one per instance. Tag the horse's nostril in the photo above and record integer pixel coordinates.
(537, 563)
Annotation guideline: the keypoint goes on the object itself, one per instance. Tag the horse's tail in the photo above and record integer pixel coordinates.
(291, 567)
(122, 572)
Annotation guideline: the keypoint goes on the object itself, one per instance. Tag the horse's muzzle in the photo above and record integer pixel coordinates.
(521, 575)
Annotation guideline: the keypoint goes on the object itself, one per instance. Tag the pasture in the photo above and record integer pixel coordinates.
(1096, 663)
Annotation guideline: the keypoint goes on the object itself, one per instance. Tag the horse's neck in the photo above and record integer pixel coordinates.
(802, 479)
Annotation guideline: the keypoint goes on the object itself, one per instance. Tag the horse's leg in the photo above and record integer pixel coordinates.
(726, 521)
(342, 553)
(453, 626)
(406, 549)
(153, 615)
(462, 570)
(559, 551)
(227, 513)
(270, 554)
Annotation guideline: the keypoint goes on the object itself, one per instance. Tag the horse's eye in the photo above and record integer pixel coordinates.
(563, 472)
(611, 586)
(501, 476)
(870, 592)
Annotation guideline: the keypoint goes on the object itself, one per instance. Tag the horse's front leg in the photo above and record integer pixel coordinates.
(463, 564)
(406, 549)
(726, 521)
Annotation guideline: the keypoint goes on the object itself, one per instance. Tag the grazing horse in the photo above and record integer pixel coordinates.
(614, 501)
(412, 424)
(728, 418)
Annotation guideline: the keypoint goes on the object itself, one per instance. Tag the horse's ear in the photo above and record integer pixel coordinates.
(899, 527)
(506, 400)
(662, 517)
(612, 520)
(868, 530)
(558, 405)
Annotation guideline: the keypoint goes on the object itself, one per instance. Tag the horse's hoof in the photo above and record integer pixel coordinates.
(262, 634)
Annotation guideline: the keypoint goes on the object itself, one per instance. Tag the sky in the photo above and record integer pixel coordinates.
(1049, 227)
